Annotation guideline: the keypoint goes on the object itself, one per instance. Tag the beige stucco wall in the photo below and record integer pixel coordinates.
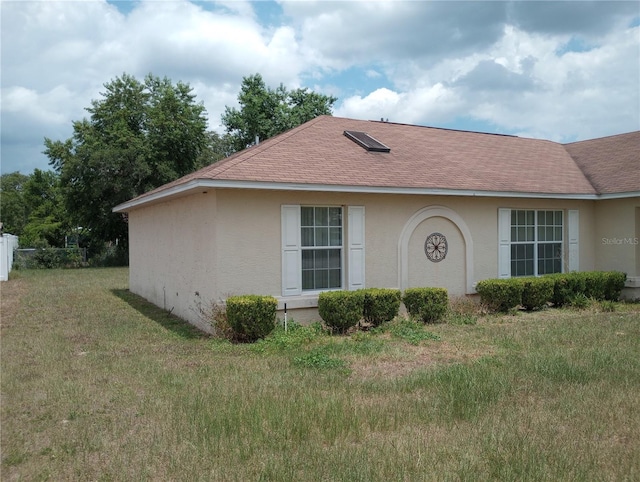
(228, 242)
(617, 240)
(173, 255)
(448, 273)
(616, 235)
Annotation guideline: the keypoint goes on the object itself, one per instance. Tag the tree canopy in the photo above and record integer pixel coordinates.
(32, 208)
(12, 204)
(140, 135)
(265, 112)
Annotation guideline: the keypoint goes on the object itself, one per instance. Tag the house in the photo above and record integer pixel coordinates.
(346, 204)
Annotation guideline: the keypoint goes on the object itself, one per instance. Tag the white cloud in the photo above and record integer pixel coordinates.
(435, 104)
(57, 55)
(505, 65)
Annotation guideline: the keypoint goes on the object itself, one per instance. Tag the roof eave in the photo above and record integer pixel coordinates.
(199, 184)
(619, 195)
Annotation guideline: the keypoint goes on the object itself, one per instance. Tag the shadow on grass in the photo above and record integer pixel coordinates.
(164, 318)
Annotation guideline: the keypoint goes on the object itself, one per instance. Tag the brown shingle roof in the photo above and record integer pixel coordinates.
(612, 164)
(318, 153)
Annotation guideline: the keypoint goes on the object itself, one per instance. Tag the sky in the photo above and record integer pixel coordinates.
(562, 71)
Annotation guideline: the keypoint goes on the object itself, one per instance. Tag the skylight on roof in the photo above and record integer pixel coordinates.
(365, 140)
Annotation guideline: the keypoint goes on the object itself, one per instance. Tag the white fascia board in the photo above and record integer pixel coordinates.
(619, 195)
(198, 184)
(159, 196)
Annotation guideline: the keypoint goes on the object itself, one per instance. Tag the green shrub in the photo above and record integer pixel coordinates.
(381, 305)
(536, 292)
(599, 285)
(565, 287)
(49, 258)
(500, 294)
(428, 304)
(252, 317)
(341, 310)
(579, 301)
(594, 284)
(614, 283)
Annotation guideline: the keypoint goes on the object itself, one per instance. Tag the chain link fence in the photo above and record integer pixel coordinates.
(43, 258)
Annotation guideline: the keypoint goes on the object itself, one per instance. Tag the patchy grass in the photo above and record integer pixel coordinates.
(99, 385)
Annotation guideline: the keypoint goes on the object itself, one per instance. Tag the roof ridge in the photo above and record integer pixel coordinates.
(600, 138)
(443, 128)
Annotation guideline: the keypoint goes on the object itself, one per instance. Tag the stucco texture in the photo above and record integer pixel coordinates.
(199, 249)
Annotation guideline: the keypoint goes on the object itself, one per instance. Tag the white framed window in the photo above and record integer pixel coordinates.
(318, 251)
(536, 242)
(321, 236)
(532, 242)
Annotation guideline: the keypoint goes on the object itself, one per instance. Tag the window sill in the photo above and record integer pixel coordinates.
(298, 302)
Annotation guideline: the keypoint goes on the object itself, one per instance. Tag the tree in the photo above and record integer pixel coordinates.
(216, 147)
(266, 112)
(140, 135)
(13, 209)
(48, 222)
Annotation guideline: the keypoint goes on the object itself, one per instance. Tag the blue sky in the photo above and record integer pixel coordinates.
(562, 71)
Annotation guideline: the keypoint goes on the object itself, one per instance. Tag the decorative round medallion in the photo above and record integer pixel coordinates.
(436, 247)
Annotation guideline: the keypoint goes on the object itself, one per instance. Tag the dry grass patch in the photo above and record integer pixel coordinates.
(99, 385)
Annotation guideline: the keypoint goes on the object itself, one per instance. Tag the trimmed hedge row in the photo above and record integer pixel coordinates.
(560, 289)
(341, 310)
(599, 285)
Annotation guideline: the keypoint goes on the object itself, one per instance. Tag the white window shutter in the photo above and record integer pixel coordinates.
(291, 252)
(573, 230)
(504, 243)
(356, 247)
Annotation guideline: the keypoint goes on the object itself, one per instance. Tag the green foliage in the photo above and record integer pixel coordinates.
(13, 207)
(575, 289)
(594, 284)
(251, 316)
(565, 287)
(579, 301)
(500, 294)
(381, 305)
(216, 147)
(266, 112)
(536, 292)
(456, 318)
(49, 258)
(428, 304)
(341, 310)
(319, 360)
(462, 311)
(296, 336)
(139, 136)
(599, 285)
(409, 331)
(614, 282)
(110, 256)
(607, 306)
(33, 208)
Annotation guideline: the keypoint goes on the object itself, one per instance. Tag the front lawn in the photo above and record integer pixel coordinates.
(96, 384)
